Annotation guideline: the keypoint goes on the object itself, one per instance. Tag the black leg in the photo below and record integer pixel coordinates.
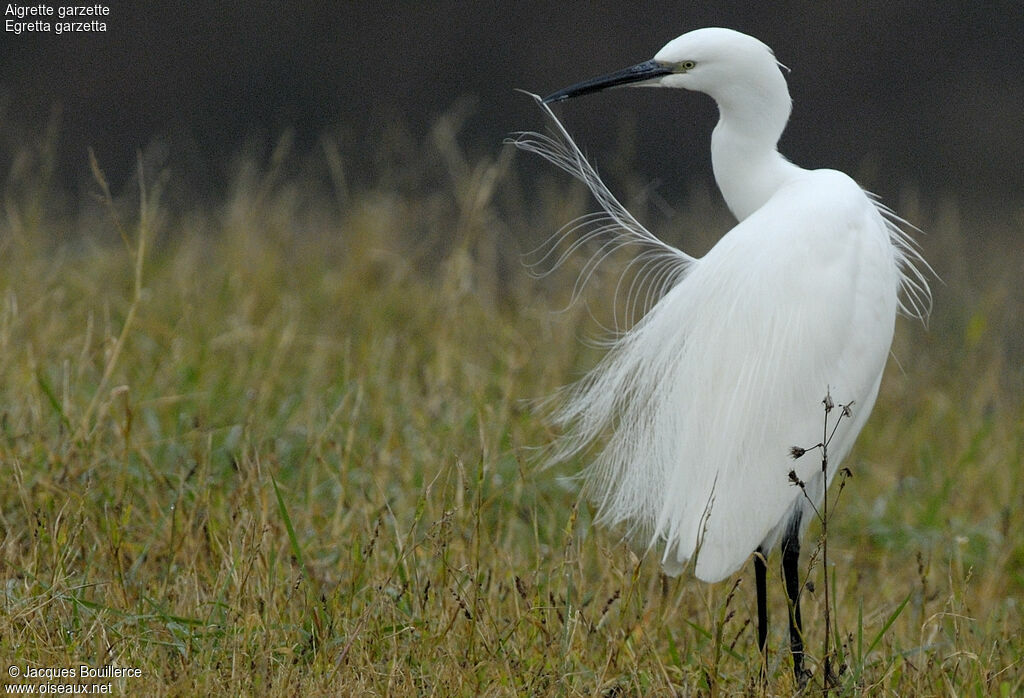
(760, 578)
(791, 573)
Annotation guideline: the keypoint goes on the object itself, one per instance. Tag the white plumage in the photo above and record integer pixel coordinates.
(694, 409)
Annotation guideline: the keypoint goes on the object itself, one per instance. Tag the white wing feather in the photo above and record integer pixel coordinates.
(658, 266)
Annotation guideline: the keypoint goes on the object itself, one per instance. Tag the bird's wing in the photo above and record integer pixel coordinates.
(658, 266)
(698, 405)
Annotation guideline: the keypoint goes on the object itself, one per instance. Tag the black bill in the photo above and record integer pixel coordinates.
(627, 76)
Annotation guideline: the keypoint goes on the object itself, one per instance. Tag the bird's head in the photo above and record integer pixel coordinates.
(718, 62)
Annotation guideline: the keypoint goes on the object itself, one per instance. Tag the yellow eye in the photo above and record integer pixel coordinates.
(686, 65)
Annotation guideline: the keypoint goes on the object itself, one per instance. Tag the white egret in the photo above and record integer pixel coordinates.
(695, 408)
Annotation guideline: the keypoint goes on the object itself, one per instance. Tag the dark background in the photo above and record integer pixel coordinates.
(922, 93)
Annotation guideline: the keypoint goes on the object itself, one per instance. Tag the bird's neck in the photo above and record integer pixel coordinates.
(748, 166)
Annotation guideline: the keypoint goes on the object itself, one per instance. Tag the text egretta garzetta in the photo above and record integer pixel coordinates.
(697, 406)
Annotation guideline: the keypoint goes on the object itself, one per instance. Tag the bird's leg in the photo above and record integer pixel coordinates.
(760, 579)
(791, 573)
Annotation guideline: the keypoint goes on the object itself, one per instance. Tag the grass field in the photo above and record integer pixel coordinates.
(283, 444)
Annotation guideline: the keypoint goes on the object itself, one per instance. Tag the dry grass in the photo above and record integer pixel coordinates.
(281, 445)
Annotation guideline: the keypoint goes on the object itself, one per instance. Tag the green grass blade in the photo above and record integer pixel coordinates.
(51, 397)
(888, 624)
(293, 540)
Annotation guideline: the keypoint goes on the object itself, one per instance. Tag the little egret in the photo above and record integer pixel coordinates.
(695, 409)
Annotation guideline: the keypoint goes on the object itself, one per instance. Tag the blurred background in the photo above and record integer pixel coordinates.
(922, 94)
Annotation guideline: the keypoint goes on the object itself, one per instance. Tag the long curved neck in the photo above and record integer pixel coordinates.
(748, 167)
